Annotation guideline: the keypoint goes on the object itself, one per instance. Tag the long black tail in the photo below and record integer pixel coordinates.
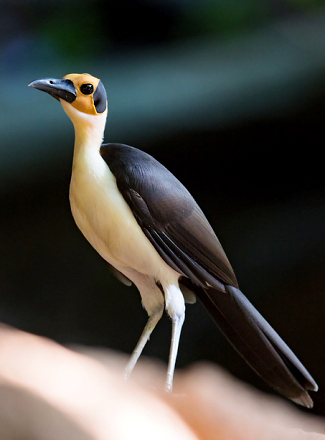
(258, 343)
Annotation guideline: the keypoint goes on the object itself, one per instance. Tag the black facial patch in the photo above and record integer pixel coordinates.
(100, 98)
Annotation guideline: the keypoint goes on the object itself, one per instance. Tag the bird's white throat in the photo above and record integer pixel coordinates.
(89, 129)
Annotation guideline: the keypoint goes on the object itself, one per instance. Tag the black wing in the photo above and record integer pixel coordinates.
(169, 217)
(177, 228)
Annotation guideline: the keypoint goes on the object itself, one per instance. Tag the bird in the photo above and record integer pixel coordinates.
(142, 220)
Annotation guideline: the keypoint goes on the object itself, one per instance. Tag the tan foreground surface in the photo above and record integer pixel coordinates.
(48, 392)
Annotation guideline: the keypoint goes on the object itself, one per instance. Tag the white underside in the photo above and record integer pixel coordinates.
(107, 222)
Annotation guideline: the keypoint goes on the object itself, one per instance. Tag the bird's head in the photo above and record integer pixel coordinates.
(82, 96)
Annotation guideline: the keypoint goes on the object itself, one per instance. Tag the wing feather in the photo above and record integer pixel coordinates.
(172, 221)
(169, 217)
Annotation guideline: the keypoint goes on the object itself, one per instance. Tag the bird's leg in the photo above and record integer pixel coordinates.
(151, 324)
(177, 323)
(175, 307)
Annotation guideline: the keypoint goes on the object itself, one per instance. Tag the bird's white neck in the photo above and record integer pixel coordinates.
(89, 129)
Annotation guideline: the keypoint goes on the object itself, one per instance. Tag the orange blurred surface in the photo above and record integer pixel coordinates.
(51, 392)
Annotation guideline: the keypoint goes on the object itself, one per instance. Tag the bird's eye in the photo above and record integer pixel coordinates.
(87, 89)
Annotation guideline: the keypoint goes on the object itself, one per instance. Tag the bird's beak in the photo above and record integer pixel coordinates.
(58, 88)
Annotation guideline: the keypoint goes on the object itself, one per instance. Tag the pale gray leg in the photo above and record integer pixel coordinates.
(151, 324)
(175, 307)
(177, 323)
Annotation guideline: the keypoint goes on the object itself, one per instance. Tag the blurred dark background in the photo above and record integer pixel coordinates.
(230, 96)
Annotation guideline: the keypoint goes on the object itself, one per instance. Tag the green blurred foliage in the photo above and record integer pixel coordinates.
(306, 4)
(77, 33)
(226, 17)
(223, 17)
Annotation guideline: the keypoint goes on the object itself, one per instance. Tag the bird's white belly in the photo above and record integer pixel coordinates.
(107, 222)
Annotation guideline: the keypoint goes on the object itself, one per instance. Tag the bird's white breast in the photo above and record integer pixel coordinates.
(105, 219)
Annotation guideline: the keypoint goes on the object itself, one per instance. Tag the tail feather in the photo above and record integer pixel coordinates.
(258, 343)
